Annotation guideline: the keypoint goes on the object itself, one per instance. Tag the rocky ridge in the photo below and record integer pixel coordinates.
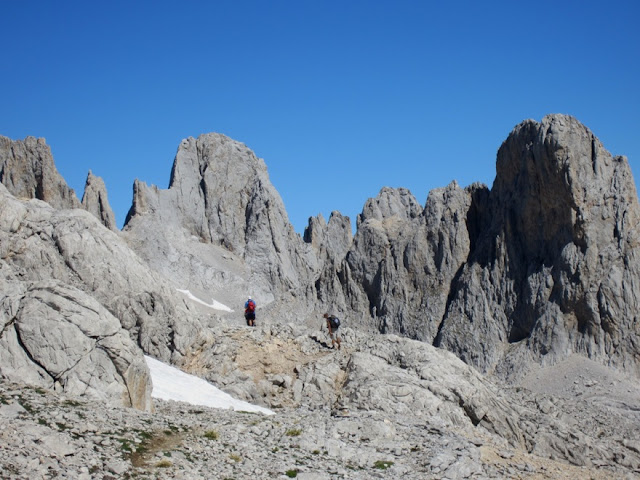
(517, 281)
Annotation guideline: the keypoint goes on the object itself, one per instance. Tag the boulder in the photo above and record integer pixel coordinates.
(58, 337)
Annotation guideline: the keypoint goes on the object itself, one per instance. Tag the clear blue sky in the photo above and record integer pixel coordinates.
(340, 98)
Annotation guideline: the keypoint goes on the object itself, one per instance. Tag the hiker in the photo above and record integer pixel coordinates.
(333, 323)
(250, 312)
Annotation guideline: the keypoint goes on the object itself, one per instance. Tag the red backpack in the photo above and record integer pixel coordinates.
(251, 306)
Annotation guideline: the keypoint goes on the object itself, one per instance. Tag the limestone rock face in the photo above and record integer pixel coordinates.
(58, 337)
(39, 243)
(28, 171)
(404, 257)
(556, 268)
(541, 266)
(96, 202)
(220, 195)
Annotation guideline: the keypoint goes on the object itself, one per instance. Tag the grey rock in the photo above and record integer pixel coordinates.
(39, 243)
(96, 202)
(60, 338)
(548, 272)
(220, 195)
(28, 171)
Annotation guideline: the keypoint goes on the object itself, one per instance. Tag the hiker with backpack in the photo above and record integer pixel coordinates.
(250, 312)
(333, 323)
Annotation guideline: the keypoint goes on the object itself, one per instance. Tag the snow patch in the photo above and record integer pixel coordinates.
(215, 304)
(170, 383)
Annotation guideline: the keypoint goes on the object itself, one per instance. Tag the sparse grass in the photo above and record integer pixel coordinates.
(164, 464)
(382, 464)
(292, 473)
(144, 435)
(211, 435)
(61, 426)
(125, 445)
(42, 421)
(235, 458)
(275, 449)
(71, 403)
(294, 432)
(40, 391)
(151, 444)
(27, 406)
(316, 452)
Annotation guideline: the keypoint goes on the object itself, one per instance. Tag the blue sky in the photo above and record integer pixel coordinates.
(340, 98)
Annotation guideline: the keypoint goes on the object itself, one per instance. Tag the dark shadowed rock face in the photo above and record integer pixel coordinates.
(28, 171)
(404, 257)
(556, 269)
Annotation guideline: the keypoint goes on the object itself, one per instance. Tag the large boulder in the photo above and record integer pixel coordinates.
(58, 337)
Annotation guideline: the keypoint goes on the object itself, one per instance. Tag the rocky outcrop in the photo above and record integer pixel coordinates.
(28, 171)
(555, 269)
(71, 246)
(96, 202)
(220, 195)
(59, 338)
(541, 266)
(399, 268)
(414, 384)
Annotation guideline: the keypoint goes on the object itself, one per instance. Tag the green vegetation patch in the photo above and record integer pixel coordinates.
(382, 464)
(164, 464)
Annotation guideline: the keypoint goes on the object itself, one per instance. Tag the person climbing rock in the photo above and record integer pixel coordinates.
(333, 324)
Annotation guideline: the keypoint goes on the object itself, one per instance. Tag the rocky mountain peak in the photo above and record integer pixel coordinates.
(391, 202)
(220, 194)
(96, 202)
(548, 270)
(28, 171)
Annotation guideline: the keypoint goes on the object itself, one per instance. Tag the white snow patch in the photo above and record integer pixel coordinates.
(170, 383)
(215, 304)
